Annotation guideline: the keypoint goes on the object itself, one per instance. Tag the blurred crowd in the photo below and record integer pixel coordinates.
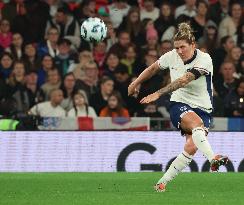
(46, 69)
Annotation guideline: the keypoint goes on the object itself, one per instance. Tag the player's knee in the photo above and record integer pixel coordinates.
(198, 129)
(190, 125)
(197, 124)
(190, 148)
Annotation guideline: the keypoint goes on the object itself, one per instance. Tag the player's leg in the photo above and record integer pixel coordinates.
(180, 163)
(183, 117)
(191, 122)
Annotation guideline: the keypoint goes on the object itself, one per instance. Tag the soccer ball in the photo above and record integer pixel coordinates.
(93, 30)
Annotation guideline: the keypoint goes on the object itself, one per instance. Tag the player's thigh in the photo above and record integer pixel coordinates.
(189, 121)
(190, 147)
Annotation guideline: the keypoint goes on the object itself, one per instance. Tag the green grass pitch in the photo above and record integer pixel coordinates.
(120, 188)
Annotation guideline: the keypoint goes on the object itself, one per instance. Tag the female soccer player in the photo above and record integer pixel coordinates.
(191, 100)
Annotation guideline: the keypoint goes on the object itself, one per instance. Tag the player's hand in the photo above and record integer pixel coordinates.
(133, 89)
(150, 98)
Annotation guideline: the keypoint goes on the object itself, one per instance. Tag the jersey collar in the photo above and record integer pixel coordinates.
(192, 58)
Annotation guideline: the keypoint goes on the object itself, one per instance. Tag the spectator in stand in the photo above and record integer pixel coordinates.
(234, 101)
(147, 23)
(36, 93)
(111, 35)
(85, 56)
(152, 41)
(99, 53)
(86, 9)
(11, 9)
(165, 46)
(225, 86)
(73, 4)
(100, 3)
(22, 23)
(99, 99)
(2, 3)
(53, 82)
(47, 64)
(240, 36)
(150, 55)
(132, 24)
(89, 82)
(131, 60)
(234, 56)
(38, 13)
(219, 10)
(165, 19)
(229, 25)
(50, 45)
(103, 13)
(67, 25)
(16, 48)
(118, 10)
(226, 44)
(5, 34)
(120, 47)
(17, 76)
(50, 108)
(122, 81)
(6, 61)
(65, 57)
(18, 88)
(53, 7)
(30, 57)
(149, 10)
(114, 107)
(68, 87)
(111, 64)
(199, 21)
(188, 9)
(209, 38)
(81, 106)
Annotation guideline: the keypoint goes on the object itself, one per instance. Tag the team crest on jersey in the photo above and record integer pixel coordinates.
(183, 108)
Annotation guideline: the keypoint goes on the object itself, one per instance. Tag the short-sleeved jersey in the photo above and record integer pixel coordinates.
(198, 93)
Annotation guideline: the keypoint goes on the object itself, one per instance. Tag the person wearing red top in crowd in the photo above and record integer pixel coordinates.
(5, 34)
(101, 3)
(115, 107)
(99, 53)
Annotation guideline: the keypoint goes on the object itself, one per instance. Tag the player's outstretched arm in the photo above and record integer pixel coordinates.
(179, 83)
(145, 75)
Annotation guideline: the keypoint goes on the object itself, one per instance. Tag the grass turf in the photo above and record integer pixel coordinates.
(119, 188)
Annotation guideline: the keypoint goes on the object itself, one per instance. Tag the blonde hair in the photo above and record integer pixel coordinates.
(185, 32)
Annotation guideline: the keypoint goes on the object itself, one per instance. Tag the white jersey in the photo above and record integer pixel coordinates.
(45, 109)
(198, 93)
